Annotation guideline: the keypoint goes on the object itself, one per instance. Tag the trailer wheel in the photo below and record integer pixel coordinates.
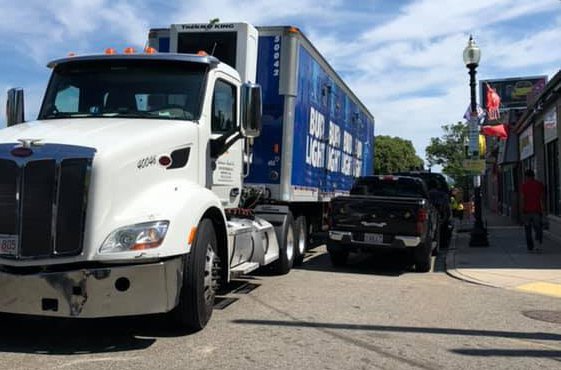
(301, 231)
(286, 240)
(422, 257)
(201, 273)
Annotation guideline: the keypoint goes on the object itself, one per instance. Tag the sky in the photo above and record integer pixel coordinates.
(403, 59)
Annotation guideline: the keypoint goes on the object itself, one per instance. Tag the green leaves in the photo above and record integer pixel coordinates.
(393, 154)
(449, 151)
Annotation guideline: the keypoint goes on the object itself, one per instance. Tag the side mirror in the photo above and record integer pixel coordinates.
(251, 110)
(14, 107)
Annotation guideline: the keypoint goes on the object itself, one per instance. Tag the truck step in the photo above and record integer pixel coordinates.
(244, 268)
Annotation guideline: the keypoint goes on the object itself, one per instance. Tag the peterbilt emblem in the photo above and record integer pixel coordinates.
(28, 143)
(375, 224)
(24, 150)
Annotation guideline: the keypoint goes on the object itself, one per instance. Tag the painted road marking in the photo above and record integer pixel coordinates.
(542, 288)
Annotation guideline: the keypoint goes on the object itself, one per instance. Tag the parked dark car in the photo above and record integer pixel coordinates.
(384, 212)
(439, 195)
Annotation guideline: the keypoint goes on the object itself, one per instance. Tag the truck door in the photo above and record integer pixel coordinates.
(227, 174)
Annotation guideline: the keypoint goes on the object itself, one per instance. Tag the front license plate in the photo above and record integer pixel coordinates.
(374, 238)
(8, 244)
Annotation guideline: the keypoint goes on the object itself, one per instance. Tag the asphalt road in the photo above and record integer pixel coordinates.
(374, 314)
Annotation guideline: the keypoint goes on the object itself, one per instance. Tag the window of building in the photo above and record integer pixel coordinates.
(224, 107)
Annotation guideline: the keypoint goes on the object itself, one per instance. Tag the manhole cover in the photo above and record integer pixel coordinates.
(543, 315)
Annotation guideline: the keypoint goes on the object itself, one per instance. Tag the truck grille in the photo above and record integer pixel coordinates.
(43, 199)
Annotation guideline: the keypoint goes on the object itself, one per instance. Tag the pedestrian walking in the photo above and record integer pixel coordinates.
(532, 208)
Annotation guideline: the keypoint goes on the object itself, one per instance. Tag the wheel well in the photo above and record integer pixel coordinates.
(217, 219)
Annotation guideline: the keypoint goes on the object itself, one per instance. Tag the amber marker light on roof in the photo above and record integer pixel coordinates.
(110, 51)
(202, 53)
(129, 51)
(72, 54)
(150, 50)
(293, 30)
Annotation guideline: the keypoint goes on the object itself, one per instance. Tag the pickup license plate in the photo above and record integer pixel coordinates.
(374, 238)
(8, 244)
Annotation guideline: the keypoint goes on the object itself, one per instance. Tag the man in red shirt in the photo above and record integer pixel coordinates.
(532, 208)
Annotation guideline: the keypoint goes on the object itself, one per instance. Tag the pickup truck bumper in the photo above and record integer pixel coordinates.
(96, 292)
(345, 238)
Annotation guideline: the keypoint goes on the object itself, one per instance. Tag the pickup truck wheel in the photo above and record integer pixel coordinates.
(422, 257)
(301, 231)
(200, 280)
(338, 258)
(285, 237)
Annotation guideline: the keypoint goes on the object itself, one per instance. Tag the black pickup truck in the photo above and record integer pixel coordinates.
(384, 212)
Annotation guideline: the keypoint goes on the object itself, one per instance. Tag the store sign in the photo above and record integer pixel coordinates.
(514, 92)
(526, 143)
(475, 166)
(550, 125)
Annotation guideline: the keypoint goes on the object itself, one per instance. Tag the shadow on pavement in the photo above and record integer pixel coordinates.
(54, 336)
(508, 353)
(405, 329)
(380, 262)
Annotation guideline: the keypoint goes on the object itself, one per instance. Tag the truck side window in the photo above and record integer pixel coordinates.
(223, 107)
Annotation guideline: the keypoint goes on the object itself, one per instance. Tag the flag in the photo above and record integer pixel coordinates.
(493, 103)
(480, 113)
(499, 131)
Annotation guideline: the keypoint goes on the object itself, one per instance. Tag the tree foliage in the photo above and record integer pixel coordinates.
(449, 151)
(393, 154)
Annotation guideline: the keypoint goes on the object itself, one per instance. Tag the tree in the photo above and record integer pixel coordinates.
(394, 154)
(449, 151)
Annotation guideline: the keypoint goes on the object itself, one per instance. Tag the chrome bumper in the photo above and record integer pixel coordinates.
(399, 241)
(100, 292)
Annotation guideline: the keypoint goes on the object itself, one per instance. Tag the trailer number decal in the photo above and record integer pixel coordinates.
(146, 162)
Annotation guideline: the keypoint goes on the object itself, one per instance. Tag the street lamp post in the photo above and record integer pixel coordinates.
(472, 54)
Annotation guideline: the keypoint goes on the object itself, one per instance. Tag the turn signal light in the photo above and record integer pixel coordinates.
(150, 50)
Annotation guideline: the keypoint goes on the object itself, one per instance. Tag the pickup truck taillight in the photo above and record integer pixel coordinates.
(422, 217)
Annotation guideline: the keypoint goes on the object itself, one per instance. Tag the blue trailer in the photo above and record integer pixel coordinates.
(317, 136)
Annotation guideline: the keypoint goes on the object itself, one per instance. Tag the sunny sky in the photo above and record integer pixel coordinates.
(402, 58)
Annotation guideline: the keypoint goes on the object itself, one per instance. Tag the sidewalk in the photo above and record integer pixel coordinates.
(506, 263)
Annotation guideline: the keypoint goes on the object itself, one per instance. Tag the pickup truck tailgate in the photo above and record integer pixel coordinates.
(372, 214)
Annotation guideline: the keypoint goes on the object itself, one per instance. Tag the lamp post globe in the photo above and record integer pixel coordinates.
(472, 53)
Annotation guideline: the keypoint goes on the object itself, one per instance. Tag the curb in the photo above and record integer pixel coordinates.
(452, 271)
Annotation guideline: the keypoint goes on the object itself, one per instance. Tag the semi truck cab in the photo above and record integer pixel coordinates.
(118, 199)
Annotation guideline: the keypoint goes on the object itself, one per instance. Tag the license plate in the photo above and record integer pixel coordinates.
(8, 244)
(374, 238)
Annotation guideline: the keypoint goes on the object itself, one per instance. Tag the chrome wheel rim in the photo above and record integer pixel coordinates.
(290, 243)
(209, 281)
(302, 240)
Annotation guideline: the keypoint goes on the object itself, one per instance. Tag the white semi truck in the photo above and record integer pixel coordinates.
(130, 193)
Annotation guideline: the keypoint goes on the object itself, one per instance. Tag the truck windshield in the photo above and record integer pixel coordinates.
(125, 88)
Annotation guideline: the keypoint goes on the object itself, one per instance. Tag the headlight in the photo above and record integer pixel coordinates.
(135, 237)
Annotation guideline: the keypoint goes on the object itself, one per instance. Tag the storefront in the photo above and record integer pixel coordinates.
(540, 147)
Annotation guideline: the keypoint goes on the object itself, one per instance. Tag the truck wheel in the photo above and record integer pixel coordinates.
(338, 258)
(301, 231)
(287, 248)
(422, 257)
(200, 280)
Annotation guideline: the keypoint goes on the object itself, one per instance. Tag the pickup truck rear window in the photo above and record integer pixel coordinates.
(395, 187)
